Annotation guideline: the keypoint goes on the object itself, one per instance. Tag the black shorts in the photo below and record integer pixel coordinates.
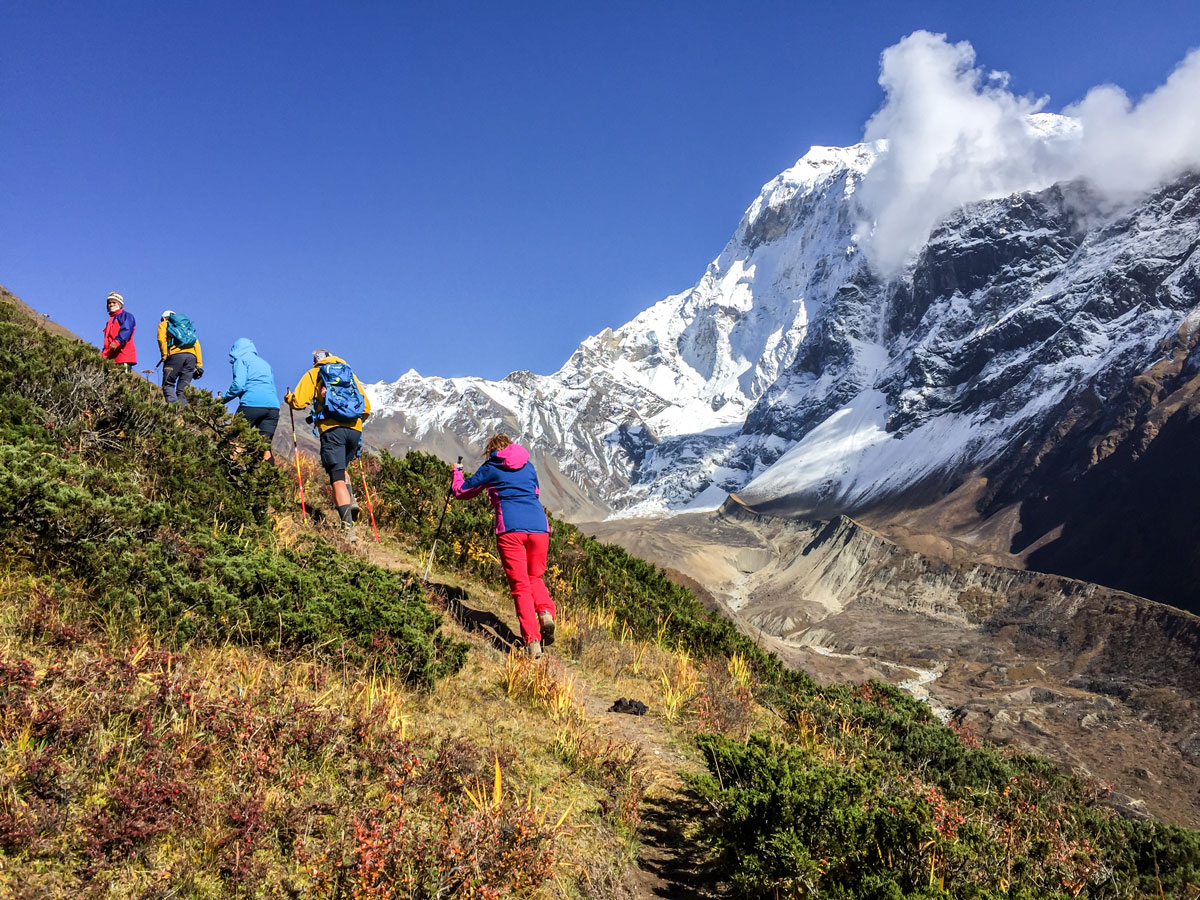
(264, 418)
(339, 448)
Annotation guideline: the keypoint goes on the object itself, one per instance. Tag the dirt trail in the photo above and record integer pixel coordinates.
(668, 864)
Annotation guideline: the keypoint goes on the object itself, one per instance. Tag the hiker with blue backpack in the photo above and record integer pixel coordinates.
(339, 408)
(181, 357)
(254, 384)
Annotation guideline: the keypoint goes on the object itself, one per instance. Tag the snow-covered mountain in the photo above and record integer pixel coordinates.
(1015, 307)
(646, 417)
(796, 375)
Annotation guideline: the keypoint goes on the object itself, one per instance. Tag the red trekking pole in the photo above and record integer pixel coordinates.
(296, 453)
(362, 472)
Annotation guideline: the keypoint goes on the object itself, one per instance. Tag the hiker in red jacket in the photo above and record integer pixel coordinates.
(522, 533)
(118, 334)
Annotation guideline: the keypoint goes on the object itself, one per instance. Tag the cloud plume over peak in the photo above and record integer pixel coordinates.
(957, 134)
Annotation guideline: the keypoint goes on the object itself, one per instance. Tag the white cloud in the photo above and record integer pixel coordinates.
(957, 134)
(1130, 148)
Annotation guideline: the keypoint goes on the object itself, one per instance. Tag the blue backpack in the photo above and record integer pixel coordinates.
(343, 400)
(180, 332)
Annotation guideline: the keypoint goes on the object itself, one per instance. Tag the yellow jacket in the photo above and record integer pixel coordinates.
(165, 352)
(306, 393)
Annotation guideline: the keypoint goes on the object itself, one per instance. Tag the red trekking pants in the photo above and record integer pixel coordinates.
(523, 555)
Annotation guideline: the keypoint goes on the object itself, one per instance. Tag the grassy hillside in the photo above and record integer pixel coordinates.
(200, 697)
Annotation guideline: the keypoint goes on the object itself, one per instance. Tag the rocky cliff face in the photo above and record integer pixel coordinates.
(1080, 630)
(1014, 311)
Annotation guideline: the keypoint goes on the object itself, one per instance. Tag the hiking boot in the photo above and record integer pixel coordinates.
(353, 506)
(534, 649)
(546, 624)
(349, 529)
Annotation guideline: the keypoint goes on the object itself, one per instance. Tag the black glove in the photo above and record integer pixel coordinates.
(199, 372)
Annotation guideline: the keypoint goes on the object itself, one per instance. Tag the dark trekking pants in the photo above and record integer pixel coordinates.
(178, 370)
(264, 418)
(339, 448)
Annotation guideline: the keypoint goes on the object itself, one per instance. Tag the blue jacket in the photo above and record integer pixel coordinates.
(253, 380)
(512, 485)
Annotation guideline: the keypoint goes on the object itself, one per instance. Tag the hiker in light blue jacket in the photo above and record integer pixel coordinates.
(254, 383)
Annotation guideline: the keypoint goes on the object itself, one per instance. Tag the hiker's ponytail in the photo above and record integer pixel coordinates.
(496, 442)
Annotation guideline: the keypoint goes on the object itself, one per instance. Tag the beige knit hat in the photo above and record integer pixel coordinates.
(117, 297)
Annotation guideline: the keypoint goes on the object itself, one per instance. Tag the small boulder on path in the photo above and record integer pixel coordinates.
(633, 707)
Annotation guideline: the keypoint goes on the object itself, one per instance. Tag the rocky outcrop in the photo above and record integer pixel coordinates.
(1081, 630)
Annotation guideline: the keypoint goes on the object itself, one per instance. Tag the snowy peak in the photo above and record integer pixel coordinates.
(812, 174)
(693, 364)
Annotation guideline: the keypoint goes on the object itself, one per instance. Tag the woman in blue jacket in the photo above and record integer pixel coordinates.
(254, 383)
(522, 532)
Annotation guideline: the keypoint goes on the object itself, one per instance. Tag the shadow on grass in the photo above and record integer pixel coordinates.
(474, 620)
(669, 855)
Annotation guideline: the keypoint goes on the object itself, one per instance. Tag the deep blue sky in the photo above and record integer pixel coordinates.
(462, 188)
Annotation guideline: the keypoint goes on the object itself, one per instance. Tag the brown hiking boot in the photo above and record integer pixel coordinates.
(534, 649)
(546, 624)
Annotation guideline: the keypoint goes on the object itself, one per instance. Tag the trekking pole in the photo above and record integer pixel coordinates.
(296, 453)
(438, 533)
(362, 472)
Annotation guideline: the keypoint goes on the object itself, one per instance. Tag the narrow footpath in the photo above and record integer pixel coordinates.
(668, 864)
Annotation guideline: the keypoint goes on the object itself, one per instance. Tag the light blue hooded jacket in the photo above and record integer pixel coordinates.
(253, 380)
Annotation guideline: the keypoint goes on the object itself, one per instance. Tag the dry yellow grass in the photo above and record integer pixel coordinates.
(556, 754)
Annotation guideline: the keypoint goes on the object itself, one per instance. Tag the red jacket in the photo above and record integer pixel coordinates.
(120, 328)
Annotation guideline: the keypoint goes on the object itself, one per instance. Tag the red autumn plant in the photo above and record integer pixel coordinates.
(423, 846)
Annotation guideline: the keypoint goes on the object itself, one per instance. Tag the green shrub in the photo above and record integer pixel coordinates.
(164, 514)
(793, 821)
(789, 823)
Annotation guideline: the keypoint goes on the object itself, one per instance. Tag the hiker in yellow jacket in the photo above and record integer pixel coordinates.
(181, 358)
(341, 437)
